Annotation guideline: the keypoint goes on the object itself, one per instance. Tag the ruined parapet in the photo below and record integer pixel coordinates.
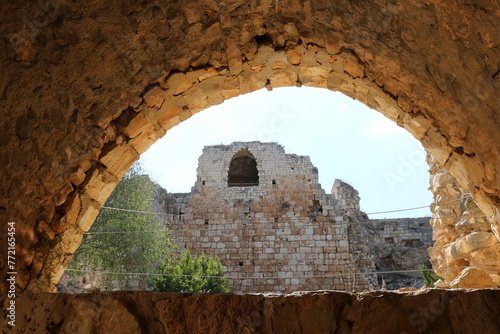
(346, 201)
(463, 235)
(346, 198)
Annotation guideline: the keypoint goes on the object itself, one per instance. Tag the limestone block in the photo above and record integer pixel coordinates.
(71, 209)
(354, 68)
(131, 123)
(477, 240)
(100, 185)
(314, 76)
(283, 79)
(88, 215)
(142, 142)
(473, 278)
(118, 158)
(178, 83)
(77, 177)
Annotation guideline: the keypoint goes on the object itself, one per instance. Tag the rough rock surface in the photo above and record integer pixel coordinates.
(463, 235)
(427, 311)
(87, 86)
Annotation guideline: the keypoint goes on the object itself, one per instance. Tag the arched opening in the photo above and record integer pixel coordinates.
(243, 170)
(108, 120)
(214, 173)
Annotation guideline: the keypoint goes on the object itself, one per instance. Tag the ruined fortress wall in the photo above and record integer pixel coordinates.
(276, 234)
(284, 234)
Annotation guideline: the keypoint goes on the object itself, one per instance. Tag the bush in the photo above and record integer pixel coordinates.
(189, 273)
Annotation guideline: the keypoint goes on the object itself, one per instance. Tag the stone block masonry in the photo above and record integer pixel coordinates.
(265, 215)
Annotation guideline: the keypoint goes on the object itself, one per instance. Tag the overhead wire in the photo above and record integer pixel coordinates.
(363, 215)
(341, 273)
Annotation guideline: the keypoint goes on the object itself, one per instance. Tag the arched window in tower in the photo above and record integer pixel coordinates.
(243, 170)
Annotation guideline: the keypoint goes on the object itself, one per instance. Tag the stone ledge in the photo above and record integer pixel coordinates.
(429, 311)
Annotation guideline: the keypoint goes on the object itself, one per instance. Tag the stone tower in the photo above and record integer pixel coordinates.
(265, 215)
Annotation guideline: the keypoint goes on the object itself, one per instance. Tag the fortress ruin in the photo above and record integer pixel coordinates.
(264, 213)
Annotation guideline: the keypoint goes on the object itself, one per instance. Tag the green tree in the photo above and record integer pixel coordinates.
(429, 275)
(127, 246)
(188, 273)
(128, 241)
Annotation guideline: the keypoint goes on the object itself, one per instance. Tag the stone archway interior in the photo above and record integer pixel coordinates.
(92, 87)
(243, 170)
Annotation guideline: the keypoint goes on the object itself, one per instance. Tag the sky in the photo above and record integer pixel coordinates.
(344, 139)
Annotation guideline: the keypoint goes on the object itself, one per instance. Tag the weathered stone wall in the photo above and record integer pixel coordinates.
(399, 247)
(285, 234)
(463, 235)
(87, 86)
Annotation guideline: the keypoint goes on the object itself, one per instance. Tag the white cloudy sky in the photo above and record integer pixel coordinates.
(344, 138)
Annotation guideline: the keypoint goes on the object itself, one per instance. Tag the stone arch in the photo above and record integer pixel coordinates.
(243, 171)
(145, 69)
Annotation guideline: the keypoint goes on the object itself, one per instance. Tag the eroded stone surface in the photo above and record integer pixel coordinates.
(462, 234)
(428, 311)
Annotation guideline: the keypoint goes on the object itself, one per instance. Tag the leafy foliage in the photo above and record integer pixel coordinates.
(429, 275)
(189, 273)
(130, 249)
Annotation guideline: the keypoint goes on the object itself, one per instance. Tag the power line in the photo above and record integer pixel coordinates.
(135, 211)
(341, 273)
(163, 213)
(400, 210)
(302, 226)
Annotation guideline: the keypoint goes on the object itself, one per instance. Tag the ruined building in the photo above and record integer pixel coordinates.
(264, 213)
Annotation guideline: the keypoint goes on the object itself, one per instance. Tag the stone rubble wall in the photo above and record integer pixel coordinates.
(400, 246)
(463, 235)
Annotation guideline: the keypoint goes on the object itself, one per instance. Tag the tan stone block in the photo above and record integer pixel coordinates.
(169, 114)
(178, 83)
(234, 58)
(334, 42)
(477, 240)
(294, 56)
(154, 101)
(314, 76)
(279, 65)
(473, 278)
(88, 215)
(118, 158)
(193, 11)
(196, 100)
(71, 208)
(354, 68)
(77, 177)
(142, 142)
(209, 73)
(230, 87)
(132, 123)
(185, 114)
(283, 79)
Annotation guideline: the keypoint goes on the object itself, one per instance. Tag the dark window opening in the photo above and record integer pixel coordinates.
(274, 181)
(243, 170)
(206, 221)
(241, 263)
(203, 183)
